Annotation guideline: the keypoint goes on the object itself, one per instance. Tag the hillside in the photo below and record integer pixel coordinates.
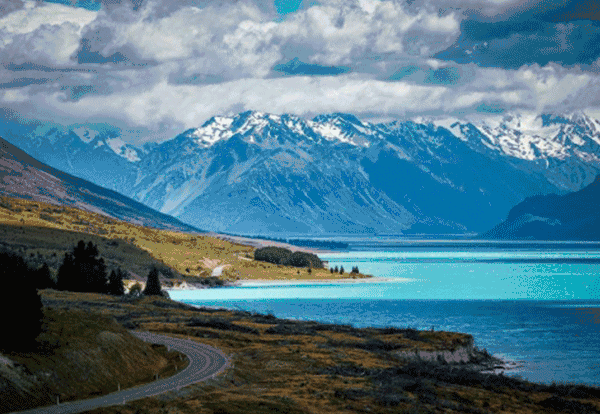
(42, 232)
(294, 367)
(574, 216)
(80, 355)
(24, 177)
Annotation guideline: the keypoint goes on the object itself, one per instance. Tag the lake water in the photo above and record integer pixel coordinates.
(534, 303)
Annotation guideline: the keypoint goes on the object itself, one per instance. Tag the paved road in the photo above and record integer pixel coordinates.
(205, 363)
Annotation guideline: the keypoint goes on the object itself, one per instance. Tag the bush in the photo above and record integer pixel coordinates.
(136, 289)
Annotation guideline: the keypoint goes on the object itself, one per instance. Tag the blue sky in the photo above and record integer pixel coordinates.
(157, 66)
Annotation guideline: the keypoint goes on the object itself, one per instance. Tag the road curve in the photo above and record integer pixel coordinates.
(205, 363)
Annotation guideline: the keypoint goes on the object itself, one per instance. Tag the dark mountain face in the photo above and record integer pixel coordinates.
(24, 177)
(573, 216)
(262, 173)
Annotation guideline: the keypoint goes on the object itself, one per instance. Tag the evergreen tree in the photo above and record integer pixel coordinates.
(331, 270)
(21, 315)
(43, 278)
(341, 270)
(336, 269)
(115, 286)
(83, 270)
(153, 285)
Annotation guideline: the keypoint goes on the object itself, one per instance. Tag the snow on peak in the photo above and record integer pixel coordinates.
(85, 134)
(215, 129)
(120, 148)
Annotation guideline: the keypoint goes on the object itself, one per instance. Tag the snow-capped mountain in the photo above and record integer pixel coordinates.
(94, 153)
(262, 173)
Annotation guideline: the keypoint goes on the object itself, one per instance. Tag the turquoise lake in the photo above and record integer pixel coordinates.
(534, 303)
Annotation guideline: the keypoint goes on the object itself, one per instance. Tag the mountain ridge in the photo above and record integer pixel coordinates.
(573, 216)
(23, 176)
(256, 171)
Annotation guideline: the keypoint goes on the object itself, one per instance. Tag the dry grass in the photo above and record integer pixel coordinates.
(311, 368)
(80, 354)
(47, 232)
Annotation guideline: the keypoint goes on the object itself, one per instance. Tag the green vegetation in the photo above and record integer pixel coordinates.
(115, 285)
(282, 256)
(83, 270)
(153, 286)
(22, 311)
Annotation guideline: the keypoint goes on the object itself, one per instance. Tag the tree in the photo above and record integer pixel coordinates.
(341, 270)
(21, 315)
(115, 286)
(153, 285)
(355, 269)
(43, 278)
(336, 269)
(83, 270)
(331, 270)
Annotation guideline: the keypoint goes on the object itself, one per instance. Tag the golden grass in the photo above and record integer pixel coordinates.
(194, 255)
(82, 354)
(275, 373)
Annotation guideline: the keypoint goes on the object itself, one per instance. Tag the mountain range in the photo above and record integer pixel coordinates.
(22, 176)
(258, 173)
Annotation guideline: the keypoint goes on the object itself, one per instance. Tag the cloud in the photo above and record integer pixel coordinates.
(161, 66)
(513, 44)
(46, 34)
(172, 108)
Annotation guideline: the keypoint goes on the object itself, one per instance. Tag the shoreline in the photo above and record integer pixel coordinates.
(291, 282)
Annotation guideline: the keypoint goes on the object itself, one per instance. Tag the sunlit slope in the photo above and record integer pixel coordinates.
(25, 177)
(43, 232)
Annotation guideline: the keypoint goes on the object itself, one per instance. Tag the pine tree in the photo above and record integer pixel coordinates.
(21, 315)
(341, 270)
(83, 270)
(336, 269)
(115, 286)
(153, 285)
(43, 278)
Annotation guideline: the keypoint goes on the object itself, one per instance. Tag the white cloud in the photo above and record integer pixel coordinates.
(217, 60)
(42, 33)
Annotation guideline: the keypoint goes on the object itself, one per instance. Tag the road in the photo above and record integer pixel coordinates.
(205, 363)
(218, 270)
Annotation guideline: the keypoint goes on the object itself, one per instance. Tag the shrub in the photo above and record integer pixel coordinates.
(136, 289)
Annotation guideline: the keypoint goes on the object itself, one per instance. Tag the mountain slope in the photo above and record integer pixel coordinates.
(24, 177)
(264, 173)
(573, 216)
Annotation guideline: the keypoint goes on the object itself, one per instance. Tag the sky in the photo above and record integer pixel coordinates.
(154, 68)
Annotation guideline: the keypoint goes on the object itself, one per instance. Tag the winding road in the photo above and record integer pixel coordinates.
(205, 363)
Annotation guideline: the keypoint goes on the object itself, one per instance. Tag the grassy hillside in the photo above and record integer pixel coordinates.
(285, 366)
(43, 232)
(79, 355)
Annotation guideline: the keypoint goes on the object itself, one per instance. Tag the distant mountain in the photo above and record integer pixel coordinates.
(257, 173)
(573, 216)
(24, 177)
